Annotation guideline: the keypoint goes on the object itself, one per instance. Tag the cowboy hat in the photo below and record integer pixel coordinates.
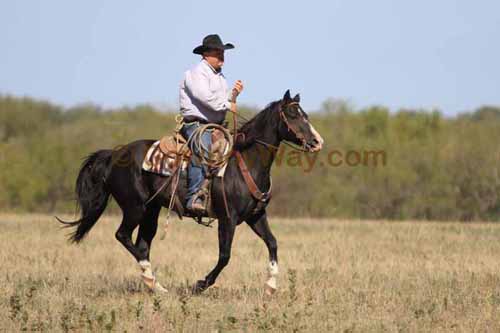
(212, 42)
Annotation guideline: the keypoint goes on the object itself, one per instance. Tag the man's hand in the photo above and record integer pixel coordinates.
(237, 89)
(238, 86)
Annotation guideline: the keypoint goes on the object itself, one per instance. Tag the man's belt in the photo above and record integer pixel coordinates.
(191, 119)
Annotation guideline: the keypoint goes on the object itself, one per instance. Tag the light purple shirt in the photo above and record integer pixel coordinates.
(204, 93)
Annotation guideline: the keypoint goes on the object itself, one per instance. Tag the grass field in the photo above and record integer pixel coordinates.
(335, 275)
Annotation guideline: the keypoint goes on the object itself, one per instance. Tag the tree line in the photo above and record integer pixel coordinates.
(376, 164)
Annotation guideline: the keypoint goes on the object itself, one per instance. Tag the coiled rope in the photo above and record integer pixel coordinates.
(212, 159)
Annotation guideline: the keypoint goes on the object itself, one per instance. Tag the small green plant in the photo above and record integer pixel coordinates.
(139, 310)
(292, 286)
(65, 322)
(112, 321)
(156, 304)
(66, 318)
(184, 305)
(15, 306)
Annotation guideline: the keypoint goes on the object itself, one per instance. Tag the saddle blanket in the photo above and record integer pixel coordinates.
(156, 161)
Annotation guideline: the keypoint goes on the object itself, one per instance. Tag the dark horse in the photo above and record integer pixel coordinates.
(119, 173)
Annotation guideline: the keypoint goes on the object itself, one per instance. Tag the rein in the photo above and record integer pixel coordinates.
(256, 193)
(262, 197)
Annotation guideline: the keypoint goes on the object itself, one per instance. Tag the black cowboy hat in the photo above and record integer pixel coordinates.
(212, 42)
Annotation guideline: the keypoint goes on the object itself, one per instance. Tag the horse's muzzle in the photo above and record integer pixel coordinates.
(314, 145)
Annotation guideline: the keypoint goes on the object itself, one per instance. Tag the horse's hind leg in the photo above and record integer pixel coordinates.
(147, 231)
(261, 227)
(133, 216)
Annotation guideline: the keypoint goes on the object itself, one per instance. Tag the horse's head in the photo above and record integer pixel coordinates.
(295, 126)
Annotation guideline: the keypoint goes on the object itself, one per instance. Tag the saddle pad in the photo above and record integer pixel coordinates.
(156, 161)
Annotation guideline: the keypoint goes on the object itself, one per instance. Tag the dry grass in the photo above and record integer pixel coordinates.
(334, 276)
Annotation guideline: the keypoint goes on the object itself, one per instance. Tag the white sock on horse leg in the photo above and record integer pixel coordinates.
(146, 269)
(272, 273)
(148, 277)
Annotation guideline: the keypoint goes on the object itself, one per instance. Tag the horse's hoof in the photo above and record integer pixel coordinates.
(153, 285)
(199, 287)
(149, 281)
(159, 288)
(269, 290)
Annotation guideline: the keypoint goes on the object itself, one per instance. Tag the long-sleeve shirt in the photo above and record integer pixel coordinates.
(204, 93)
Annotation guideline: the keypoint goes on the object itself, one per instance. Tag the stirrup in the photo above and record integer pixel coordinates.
(201, 194)
(196, 212)
(208, 224)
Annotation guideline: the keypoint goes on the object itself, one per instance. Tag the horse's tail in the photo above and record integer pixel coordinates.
(92, 195)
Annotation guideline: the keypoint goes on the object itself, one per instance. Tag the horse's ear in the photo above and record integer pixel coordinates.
(287, 96)
(297, 98)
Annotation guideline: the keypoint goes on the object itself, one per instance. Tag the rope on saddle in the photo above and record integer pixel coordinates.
(207, 157)
(174, 179)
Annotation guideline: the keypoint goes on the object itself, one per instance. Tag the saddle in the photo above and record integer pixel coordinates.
(175, 145)
(166, 155)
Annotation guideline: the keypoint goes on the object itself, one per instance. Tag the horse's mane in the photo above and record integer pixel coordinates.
(252, 129)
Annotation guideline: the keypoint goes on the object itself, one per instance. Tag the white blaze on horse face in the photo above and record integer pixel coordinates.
(272, 271)
(317, 137)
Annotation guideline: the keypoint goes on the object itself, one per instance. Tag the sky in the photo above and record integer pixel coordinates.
(414, 54)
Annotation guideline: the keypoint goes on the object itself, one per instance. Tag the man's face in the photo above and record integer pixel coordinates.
(215, 58)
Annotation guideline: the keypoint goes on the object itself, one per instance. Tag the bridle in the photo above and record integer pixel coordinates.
(283, 117)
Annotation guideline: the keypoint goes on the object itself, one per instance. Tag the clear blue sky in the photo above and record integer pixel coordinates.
(424, 53)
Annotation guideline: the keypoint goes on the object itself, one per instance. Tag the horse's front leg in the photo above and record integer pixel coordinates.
(226, 234)
(260, 226)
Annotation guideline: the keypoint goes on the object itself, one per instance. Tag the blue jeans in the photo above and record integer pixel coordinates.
(196, 170)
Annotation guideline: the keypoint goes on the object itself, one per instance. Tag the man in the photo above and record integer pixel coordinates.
(204, 98)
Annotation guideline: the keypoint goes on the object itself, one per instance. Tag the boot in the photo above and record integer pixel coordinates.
(198, 207)
(199, 201)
